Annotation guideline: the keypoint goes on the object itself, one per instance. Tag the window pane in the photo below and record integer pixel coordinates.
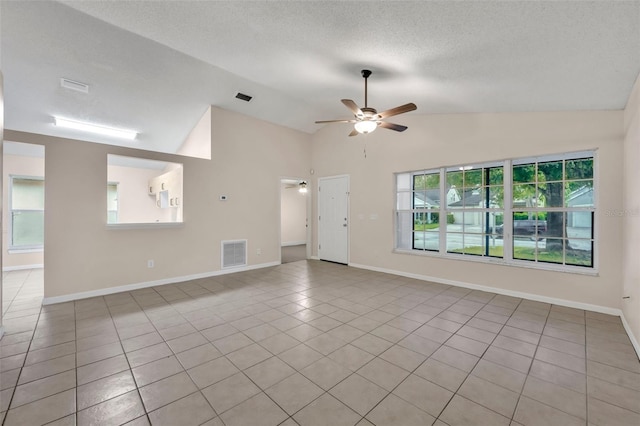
(27, 194)
(454, 179)
(472, 178)
(579, 169)
(524, 249)
(550, 171)
(473, 198)
(404, 227)
(527, 225)
(403, 182)
(555, 225)
(27, 228)
(482, 245)
(552, 193)
(496, 197)
(580, 224)
(404, 200)
(426, 220)
(474, 222)
(496, 175)
(551, 250)
(524, 173)
(427, 181)
(524, 195)
(579, 193)
(454, 242)
(579, 252)
(428, 240)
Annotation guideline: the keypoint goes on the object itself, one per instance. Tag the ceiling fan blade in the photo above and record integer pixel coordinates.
(391, 126)
(354, 132)
(335, 121)
(352, 106)
(398, 110)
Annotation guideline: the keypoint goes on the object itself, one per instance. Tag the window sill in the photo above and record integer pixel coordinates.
(154, 225)
(501, 262)
(25, 250)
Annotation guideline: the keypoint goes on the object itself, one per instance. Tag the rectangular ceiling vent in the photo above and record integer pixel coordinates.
(74, 85)
(243, 97)
(234, 253)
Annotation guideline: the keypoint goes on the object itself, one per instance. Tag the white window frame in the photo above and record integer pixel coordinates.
(26, 248)
(508, 209)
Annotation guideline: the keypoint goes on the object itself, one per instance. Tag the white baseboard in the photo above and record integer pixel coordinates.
(22, 267)
(137, 286)
(314, 258)
(293, 243)
(632, 337)
(519, 294)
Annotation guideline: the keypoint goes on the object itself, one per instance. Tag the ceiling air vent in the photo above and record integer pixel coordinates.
(74, 85)
(234, 253)
(243, 97)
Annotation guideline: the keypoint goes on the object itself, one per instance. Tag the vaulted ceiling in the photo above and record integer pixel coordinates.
(155, 66)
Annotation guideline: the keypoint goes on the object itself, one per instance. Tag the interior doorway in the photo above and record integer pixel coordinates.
(294, 227)
(23, 183)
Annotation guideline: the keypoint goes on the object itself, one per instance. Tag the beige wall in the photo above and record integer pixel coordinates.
(630, 214)
(293, 216)
(20, 166)
(248, 158)
(440, 140)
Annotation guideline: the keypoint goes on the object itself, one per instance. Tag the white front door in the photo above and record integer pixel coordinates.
(333, 219)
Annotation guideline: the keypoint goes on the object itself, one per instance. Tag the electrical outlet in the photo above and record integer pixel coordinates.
(150, 263)
(259, 252)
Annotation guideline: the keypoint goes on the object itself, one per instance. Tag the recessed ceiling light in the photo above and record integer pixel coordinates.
(93, 128)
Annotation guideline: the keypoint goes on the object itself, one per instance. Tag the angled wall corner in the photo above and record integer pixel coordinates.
(198, 142)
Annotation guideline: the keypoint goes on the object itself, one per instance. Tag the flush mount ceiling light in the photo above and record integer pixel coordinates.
(302, 187)
(93, 128)
(367, 119)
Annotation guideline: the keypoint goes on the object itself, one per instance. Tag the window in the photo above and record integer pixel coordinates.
(27, 212)
(533, 211)
(554, 200)
(475, 202)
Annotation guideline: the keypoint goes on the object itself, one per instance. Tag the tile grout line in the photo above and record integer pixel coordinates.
(6, 415)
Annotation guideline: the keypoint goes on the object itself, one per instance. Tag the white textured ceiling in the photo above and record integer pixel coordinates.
(156, 66)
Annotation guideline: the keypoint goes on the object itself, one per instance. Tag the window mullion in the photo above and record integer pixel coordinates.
(507, 240)
(442, 235)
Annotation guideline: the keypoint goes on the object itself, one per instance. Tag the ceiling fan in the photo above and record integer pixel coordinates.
(368, 119)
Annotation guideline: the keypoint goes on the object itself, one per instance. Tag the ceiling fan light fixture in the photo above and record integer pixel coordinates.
(302, 187)
(365, 126)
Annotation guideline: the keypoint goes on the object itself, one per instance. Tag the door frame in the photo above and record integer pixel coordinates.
(308, 196)
(317, 218)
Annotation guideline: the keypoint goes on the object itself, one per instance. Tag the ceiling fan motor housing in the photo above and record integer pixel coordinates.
(369, 113)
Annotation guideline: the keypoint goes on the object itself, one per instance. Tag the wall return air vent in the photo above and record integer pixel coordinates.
(234, 253)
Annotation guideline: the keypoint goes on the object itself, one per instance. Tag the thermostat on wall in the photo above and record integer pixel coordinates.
(223, 198)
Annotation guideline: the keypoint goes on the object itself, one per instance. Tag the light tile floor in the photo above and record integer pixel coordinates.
(314, 343)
